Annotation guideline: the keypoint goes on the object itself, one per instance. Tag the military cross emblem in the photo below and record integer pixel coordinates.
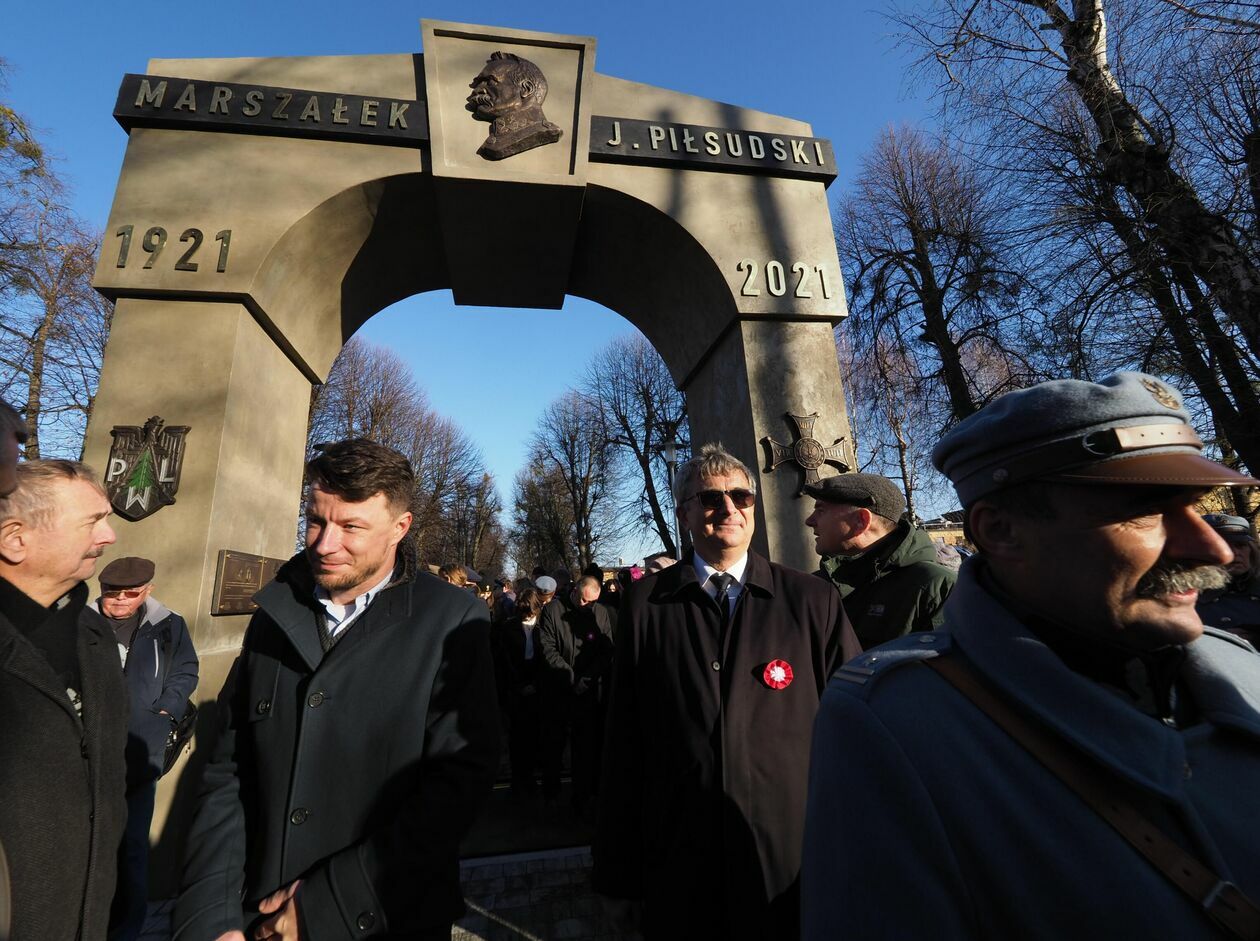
(144, 467)
(806, 451)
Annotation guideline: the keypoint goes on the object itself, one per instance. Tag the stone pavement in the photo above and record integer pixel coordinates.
(532, 896)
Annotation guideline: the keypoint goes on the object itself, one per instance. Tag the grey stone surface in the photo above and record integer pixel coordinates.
(548, 897)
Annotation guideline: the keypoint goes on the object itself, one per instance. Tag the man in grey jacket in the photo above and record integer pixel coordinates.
(1071, 643)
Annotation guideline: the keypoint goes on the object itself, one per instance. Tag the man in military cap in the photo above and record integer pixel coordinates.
(160, 666)
(885, 569)
(1063, 758)
(1236, 607)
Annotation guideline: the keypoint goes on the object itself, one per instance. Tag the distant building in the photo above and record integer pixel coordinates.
(947, 528)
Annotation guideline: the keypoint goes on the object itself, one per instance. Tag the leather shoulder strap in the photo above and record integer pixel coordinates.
(1223, 902)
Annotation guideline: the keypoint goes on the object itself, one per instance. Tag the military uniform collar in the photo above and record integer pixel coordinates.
(1224, 684)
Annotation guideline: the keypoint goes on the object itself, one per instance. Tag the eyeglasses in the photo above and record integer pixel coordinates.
(741, 497)
(124, 593)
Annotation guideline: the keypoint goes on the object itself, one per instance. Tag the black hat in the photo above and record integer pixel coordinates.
(129, 572)
(871, 491)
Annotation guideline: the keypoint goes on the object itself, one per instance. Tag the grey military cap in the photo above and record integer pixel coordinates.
(1229, 528)
(1129, 428)
(877, 494)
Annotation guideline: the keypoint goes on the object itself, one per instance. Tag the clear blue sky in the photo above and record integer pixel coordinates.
(832, 64)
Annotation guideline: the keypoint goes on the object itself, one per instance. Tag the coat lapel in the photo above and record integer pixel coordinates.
(20, 659)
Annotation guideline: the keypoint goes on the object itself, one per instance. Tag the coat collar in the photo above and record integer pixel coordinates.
(22, 660)
(289, 600)
(678, 579)
(1224, 682)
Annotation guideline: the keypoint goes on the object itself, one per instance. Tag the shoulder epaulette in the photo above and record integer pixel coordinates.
(1220, 634)
(858, 675)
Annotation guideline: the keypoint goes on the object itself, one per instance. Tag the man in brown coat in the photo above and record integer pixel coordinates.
(721, 661)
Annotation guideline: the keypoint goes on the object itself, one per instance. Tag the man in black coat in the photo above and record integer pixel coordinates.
(360, 734)
(721, 661)
(160, 666)
(577, 647)
(64, 707)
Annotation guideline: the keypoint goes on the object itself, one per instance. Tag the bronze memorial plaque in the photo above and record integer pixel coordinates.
(237, 578)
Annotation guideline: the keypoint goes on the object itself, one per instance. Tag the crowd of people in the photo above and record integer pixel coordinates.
(1055, 739)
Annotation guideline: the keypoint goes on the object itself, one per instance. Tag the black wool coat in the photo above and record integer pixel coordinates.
(62, 806)
(702, 800)
(358, 770)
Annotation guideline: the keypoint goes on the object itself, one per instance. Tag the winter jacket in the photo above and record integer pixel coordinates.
(161, 674)
(895, 587)
(357, 770)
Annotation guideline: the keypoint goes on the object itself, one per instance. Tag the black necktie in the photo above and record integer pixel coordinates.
(723, 582)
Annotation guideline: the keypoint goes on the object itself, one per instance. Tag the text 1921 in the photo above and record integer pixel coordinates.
(153, 242)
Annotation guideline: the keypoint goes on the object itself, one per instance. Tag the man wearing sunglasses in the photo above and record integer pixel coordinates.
(160, 666)
(721, 661)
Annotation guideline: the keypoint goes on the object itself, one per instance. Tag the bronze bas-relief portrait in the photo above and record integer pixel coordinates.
(509, 94)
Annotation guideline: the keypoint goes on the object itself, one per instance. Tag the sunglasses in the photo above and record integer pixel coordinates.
(124, 593)
(716, 499)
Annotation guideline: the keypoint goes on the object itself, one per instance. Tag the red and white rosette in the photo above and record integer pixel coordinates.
(778, 674)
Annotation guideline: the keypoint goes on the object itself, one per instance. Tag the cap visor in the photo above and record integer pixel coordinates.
(1175, 469)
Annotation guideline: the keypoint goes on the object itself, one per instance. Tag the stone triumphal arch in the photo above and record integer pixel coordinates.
(267, 207)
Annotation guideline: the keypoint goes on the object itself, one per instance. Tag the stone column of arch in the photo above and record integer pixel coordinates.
(244, 249)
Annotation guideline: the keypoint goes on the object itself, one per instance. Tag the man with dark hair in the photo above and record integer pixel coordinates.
(360, 732)
(885, 569)
(720, 663)
(1073, 754)
(63, 707)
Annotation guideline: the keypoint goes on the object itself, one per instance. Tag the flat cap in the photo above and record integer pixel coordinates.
(545, 583)
(127, 572)
(878, 494)
(1229, 528)
(1129, 428)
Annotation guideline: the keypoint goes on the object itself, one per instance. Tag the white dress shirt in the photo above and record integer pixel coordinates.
(705, 572)
(339, 616)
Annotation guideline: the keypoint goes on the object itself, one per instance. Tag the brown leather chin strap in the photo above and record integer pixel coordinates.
(1222, 901)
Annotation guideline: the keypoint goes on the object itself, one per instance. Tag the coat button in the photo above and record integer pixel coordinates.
(366, 921)
(263, 707)
(716, 665)
(316, 699)
(298, 817)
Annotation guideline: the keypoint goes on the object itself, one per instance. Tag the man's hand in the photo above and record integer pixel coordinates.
(281, 905)
(582, 685)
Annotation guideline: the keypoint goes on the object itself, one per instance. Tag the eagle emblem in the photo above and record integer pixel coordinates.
(144, 467)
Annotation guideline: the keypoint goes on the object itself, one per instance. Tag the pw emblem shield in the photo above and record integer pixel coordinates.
(144, 467)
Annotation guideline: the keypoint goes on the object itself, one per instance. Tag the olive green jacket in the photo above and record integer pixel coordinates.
(894, 587)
